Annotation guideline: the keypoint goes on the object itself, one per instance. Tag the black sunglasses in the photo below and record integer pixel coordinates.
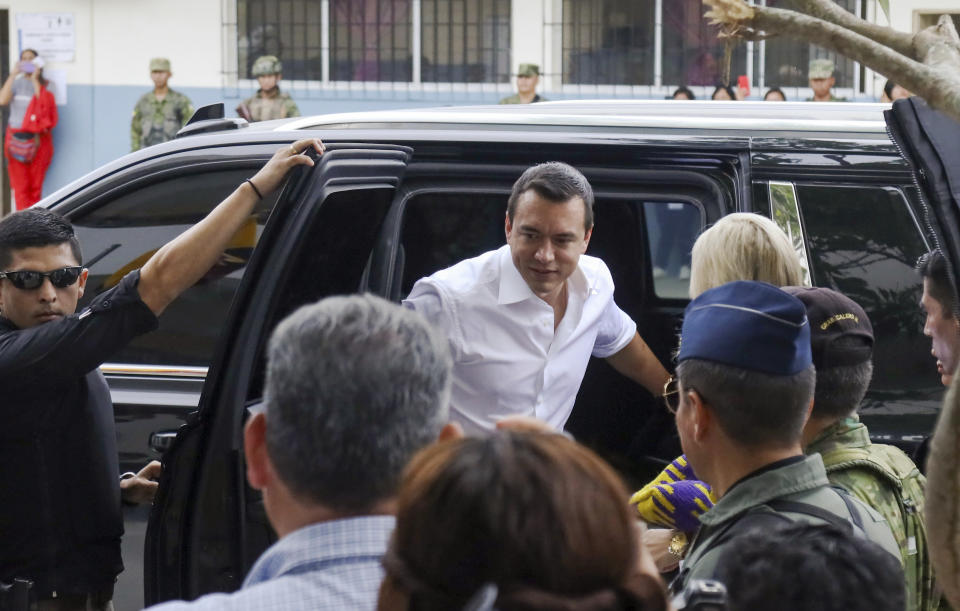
(28, 280)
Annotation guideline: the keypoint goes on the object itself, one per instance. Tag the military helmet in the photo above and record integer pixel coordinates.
(267, 64)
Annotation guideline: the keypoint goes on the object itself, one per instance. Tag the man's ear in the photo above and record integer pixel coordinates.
(451, 431)
(82, 282)
(701, 416)
(259, 469)
(507, 225)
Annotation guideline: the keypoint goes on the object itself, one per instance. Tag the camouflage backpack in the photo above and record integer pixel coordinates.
(900, 501)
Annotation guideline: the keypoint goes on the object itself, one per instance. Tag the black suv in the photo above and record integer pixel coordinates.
(402, 194)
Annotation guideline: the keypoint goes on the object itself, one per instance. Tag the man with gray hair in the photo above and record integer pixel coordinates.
(355, 386)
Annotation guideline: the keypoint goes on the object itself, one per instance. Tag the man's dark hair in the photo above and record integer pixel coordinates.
(355, 386)
(753, 408)
(841, 389)
(557, 182)
(35, 227)
(805, 566)
(933, 266)
(685, 91)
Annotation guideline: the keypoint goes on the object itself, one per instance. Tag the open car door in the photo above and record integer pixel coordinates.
(207, 527)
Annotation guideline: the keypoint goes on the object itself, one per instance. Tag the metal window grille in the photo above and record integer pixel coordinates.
(608, 42)
(692, 52)
(787, 61)
(465, 41)
(289, 29)
(370, 40)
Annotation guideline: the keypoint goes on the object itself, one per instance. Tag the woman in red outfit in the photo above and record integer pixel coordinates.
(28, 143)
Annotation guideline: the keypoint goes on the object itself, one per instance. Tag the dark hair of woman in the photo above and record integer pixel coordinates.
(774, 91)
(537, 515)
(725, 88)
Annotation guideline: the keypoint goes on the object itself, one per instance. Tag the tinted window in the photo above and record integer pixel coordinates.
(122, 234)
(864, 243)
(672, 228)
(440, 229)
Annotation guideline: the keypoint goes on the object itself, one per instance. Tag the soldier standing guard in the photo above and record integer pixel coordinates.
(268, 102)
(528, 76)
(159, 114)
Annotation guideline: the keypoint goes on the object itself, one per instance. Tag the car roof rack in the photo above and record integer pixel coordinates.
(210, 118)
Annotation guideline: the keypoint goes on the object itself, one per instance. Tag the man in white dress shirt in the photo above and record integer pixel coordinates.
(523, 320)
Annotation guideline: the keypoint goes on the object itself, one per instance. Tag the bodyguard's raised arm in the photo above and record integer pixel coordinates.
(180, 263)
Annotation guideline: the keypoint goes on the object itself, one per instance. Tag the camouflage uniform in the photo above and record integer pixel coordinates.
(264, 106)
(155, 121)
(883, 477)
(515, 99)
(803, 481)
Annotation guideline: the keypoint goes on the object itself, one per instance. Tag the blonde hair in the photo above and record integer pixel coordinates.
(743, 246)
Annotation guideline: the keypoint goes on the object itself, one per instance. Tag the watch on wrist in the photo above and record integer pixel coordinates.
(678, 545)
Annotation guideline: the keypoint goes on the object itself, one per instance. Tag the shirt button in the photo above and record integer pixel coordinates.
(106, 304)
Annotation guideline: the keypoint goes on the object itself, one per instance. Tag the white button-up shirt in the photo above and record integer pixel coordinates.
(508, 359)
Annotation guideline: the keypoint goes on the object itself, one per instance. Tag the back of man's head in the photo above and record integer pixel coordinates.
(803, 566)
(35, 227)
(355, 386)
(933, 268)
(745, 348)
(841, 339)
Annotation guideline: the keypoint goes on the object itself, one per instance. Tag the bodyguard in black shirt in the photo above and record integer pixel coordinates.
(60, 518)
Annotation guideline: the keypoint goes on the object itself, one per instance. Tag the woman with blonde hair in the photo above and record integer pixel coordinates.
(532, 520)
(743, 246)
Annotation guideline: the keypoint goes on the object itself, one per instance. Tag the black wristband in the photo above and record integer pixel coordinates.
(254, 187)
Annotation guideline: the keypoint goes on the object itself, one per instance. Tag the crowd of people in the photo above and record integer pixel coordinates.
(412, 456)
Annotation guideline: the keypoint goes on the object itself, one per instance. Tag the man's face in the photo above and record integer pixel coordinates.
(30, 307)
(268, 81)
(546, 240)
(941, 327)
(527, 84)
(159, 78)
(821, 86)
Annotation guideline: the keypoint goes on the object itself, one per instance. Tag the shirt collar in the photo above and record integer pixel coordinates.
(514, 289)
(335, 539)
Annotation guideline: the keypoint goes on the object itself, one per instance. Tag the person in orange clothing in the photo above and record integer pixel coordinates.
(28, 143)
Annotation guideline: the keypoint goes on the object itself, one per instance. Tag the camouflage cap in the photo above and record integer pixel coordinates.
(159, 64)
(267, 64)
(528, 70)
(820, 68)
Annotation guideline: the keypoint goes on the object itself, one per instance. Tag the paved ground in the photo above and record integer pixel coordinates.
(128, 594)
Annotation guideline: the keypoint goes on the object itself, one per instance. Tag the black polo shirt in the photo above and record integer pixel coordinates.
(60, 518)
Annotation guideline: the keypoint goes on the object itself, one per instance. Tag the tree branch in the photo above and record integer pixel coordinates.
(831, 12)
(935, 80)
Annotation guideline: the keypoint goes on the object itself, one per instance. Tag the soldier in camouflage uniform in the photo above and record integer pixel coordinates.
(880, 475)
(269, 102)
(822, 81)
(159, 114)
(527, 78)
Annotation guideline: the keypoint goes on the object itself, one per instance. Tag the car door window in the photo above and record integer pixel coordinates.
(864, 242)
(120, 235)
(672, 228)
(786, 214)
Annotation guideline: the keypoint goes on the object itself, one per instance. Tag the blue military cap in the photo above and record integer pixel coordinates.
(749, 325)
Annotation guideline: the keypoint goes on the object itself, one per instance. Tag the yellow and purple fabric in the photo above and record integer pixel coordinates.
(675, 498)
